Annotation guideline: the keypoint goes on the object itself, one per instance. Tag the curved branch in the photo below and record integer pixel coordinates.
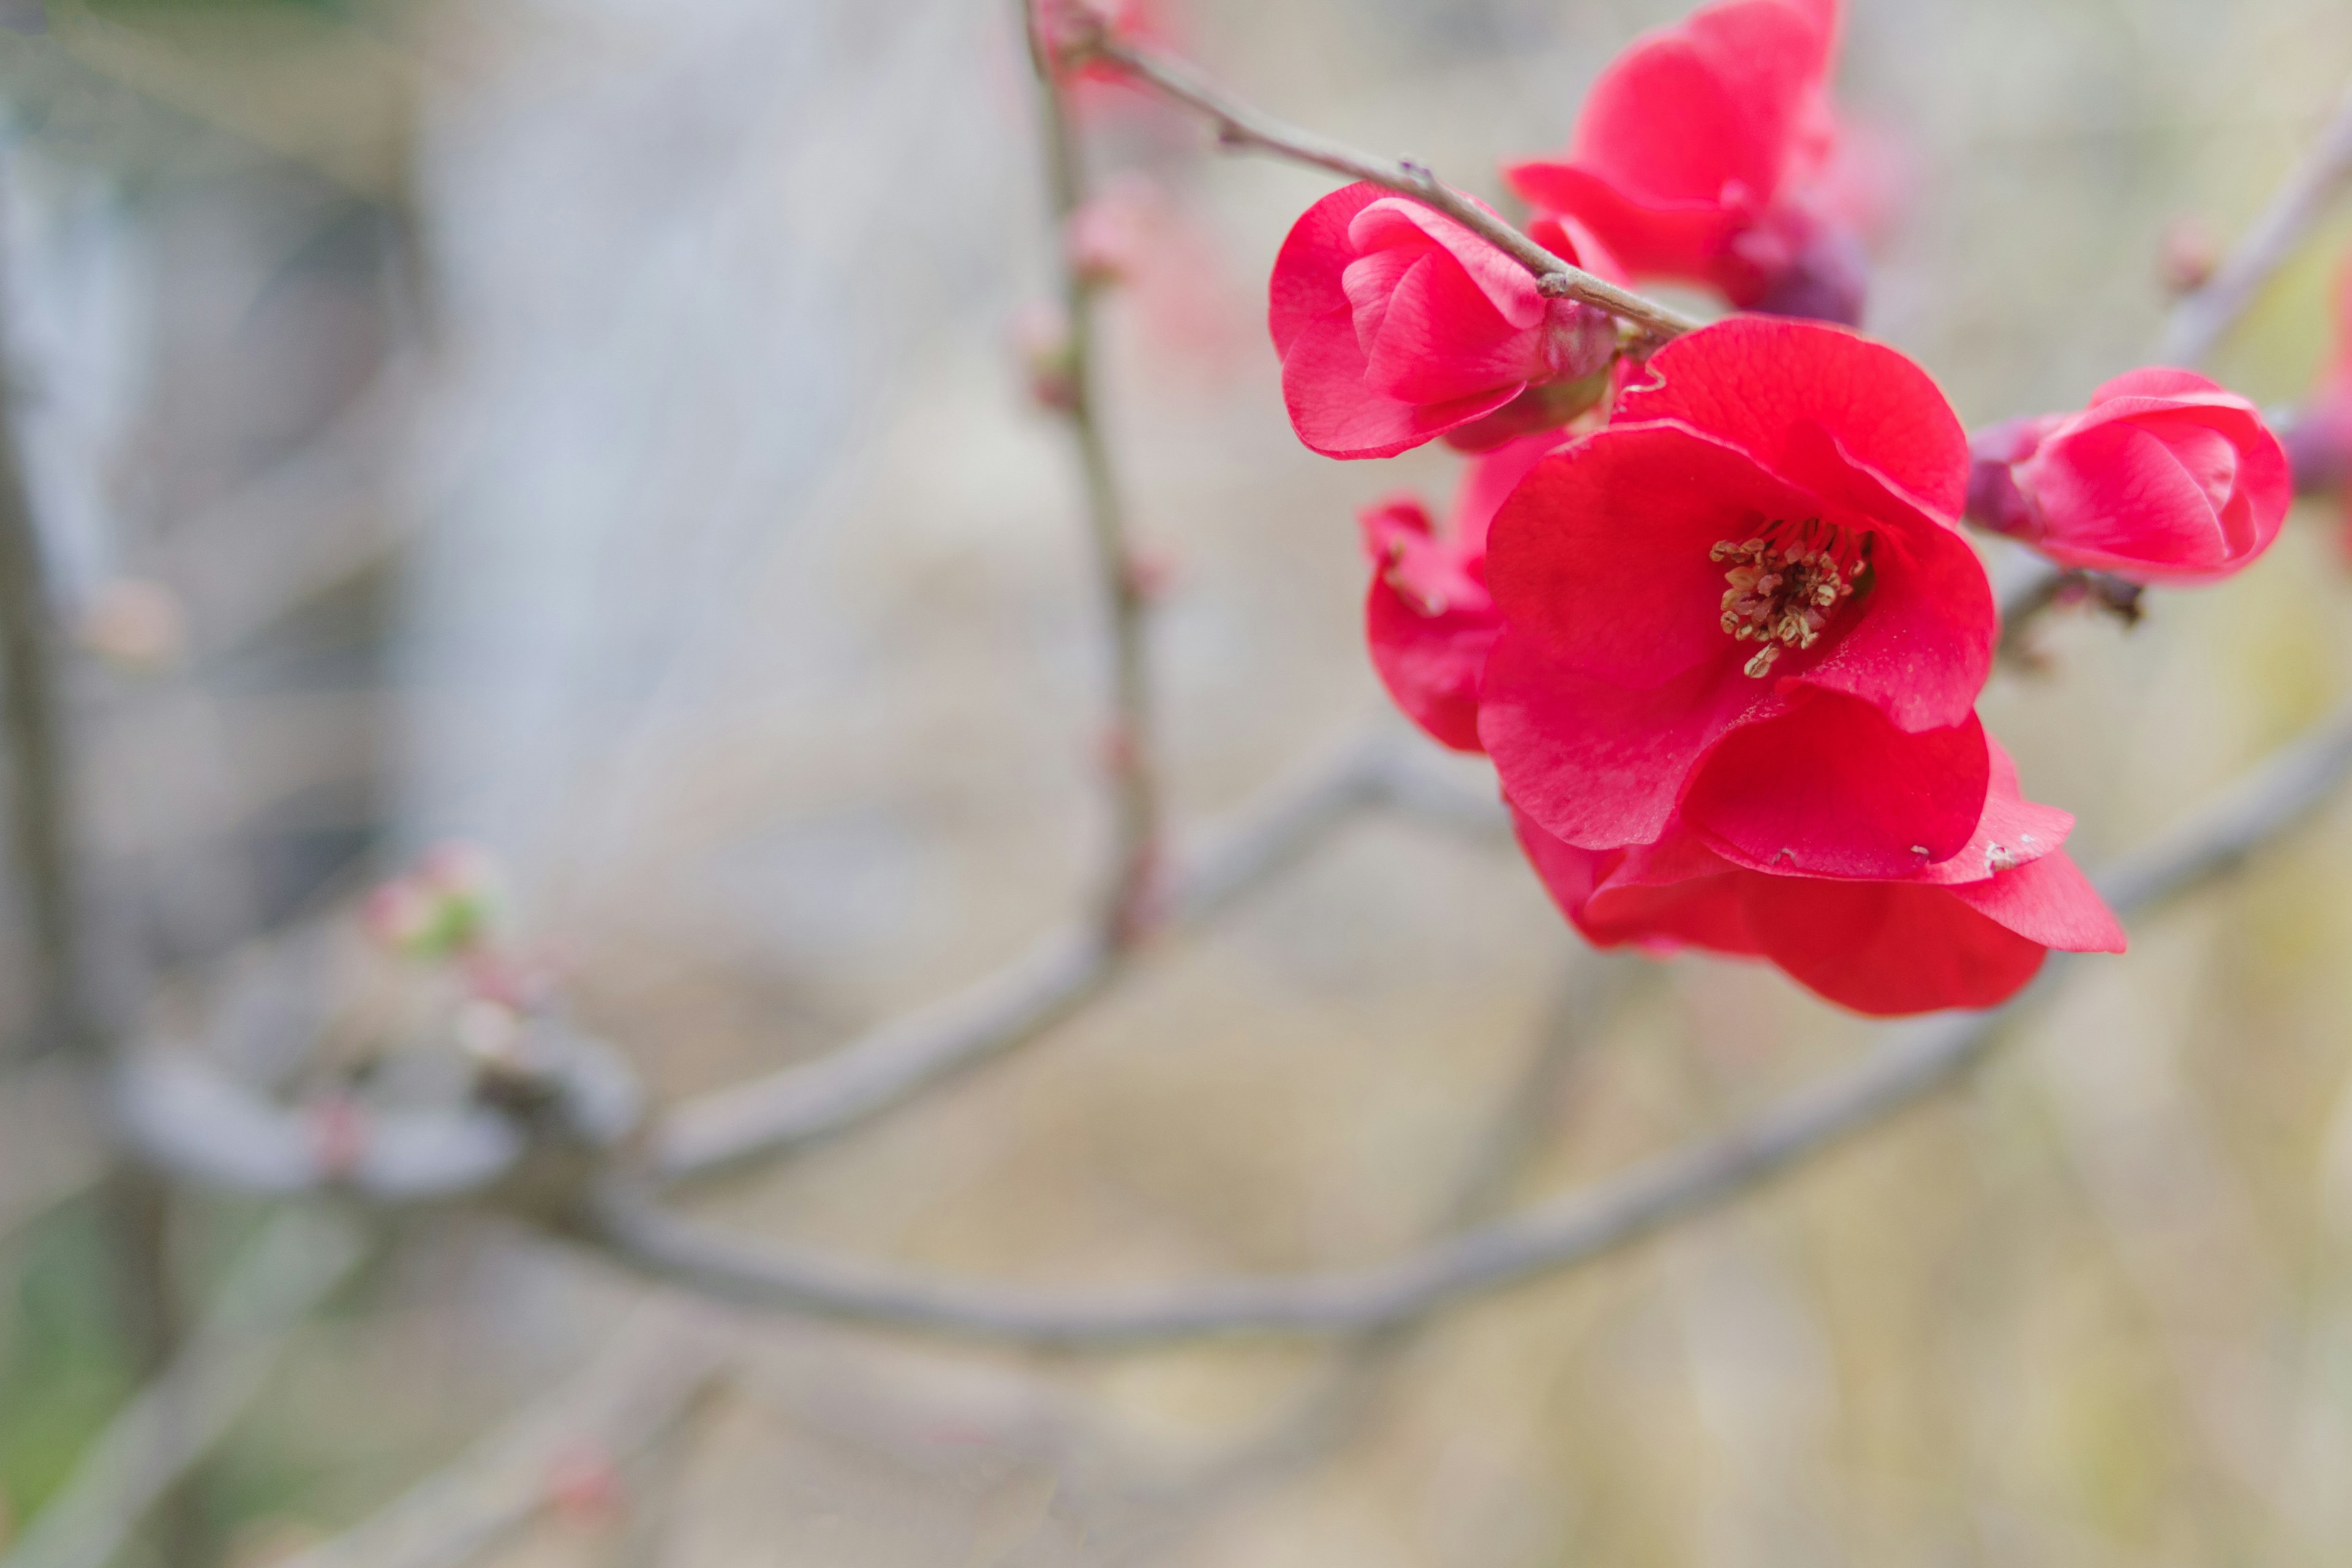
(1239, 125)
(1917, 1061)
(816, 1099)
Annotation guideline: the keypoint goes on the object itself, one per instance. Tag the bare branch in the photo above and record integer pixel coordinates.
(2201, 320)
(1239, 125)
(170, 1427)
(814, 1100)
(1916, 1061)
(1127, 753)
(629, 1399)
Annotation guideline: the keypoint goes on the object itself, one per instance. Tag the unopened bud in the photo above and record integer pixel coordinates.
(337, 1129)
(1813, 269)
(1049, 357)
(2187, 256)
(1150, 573)
(583, 1486)
(133, 624)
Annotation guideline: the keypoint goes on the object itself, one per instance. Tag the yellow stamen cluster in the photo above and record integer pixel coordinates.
(1781, 593)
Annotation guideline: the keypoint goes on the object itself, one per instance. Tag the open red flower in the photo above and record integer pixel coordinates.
(1708, 153)
(1968, 932)
(1747, 601)
(1396, 324)
(1427, 614)
(2164, 477)
(2319, 442)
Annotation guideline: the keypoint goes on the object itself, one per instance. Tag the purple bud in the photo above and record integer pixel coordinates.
(2318, 442)
(1994, 501)
(1811, 269)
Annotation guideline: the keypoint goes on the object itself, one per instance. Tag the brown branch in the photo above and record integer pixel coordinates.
(816, 1099)
(2199, 321)
(164, 1432)
(1240, 126)
(1127, 754)
(1915, 1062)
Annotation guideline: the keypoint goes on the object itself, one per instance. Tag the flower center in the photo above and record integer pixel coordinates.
(1785, 585)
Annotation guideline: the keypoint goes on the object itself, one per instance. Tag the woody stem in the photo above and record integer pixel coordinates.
(1129, 758)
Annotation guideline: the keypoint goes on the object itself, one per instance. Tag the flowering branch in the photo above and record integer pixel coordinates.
(1915, 1061)
(1240, 126)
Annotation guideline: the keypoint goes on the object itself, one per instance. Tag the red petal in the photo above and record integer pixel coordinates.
(1440, 339)
(1337, 415)
(1602, 554)
(1597, 764)
(1431, 663)
(2050, 901)
(1887, 948)
(1829, 788)
(1701, 911)
(1691, 110)
(1753, 382)
(1306, 284)
(1648, 238)
(1920, 644)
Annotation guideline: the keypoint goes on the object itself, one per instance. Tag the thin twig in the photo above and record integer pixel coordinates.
(1915, 1062)
(1127, 754)
(816, 1099)
(2201, 320)
(1240, 126)
(163, 1433)
(631, 1398)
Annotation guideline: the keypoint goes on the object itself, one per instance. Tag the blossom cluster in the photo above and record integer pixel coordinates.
(1708, 606)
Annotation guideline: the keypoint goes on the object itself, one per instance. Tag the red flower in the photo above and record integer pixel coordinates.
(1968, 932)
(2164, 477)
(1396, 324)
(1747, 600)
(1427, 614)
(2319, 441)
(1708, 153)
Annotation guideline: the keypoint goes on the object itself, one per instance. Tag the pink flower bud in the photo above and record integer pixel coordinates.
(1396, 324)
(1041, 337)
(134, 624)
(2187, 256)
(2164, 476)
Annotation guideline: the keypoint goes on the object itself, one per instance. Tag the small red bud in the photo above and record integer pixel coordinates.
(2187, 256)
(583, 1486)
(338, 1132)
(1150, 573)
(1049, 362)
(1115, 751)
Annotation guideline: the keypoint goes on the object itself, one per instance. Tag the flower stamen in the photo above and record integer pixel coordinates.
(1785, 585)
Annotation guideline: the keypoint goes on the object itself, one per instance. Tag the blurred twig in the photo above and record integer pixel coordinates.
(1127, 756)
(1239, 125)
(163, 1433)
(2201, 319)
(631, 1398)
(811, 1101)
(1915, 1062)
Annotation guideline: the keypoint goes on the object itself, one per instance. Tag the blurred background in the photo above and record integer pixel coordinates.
(599, 432)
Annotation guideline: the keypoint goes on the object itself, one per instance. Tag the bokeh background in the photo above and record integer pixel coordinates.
(597, 431)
